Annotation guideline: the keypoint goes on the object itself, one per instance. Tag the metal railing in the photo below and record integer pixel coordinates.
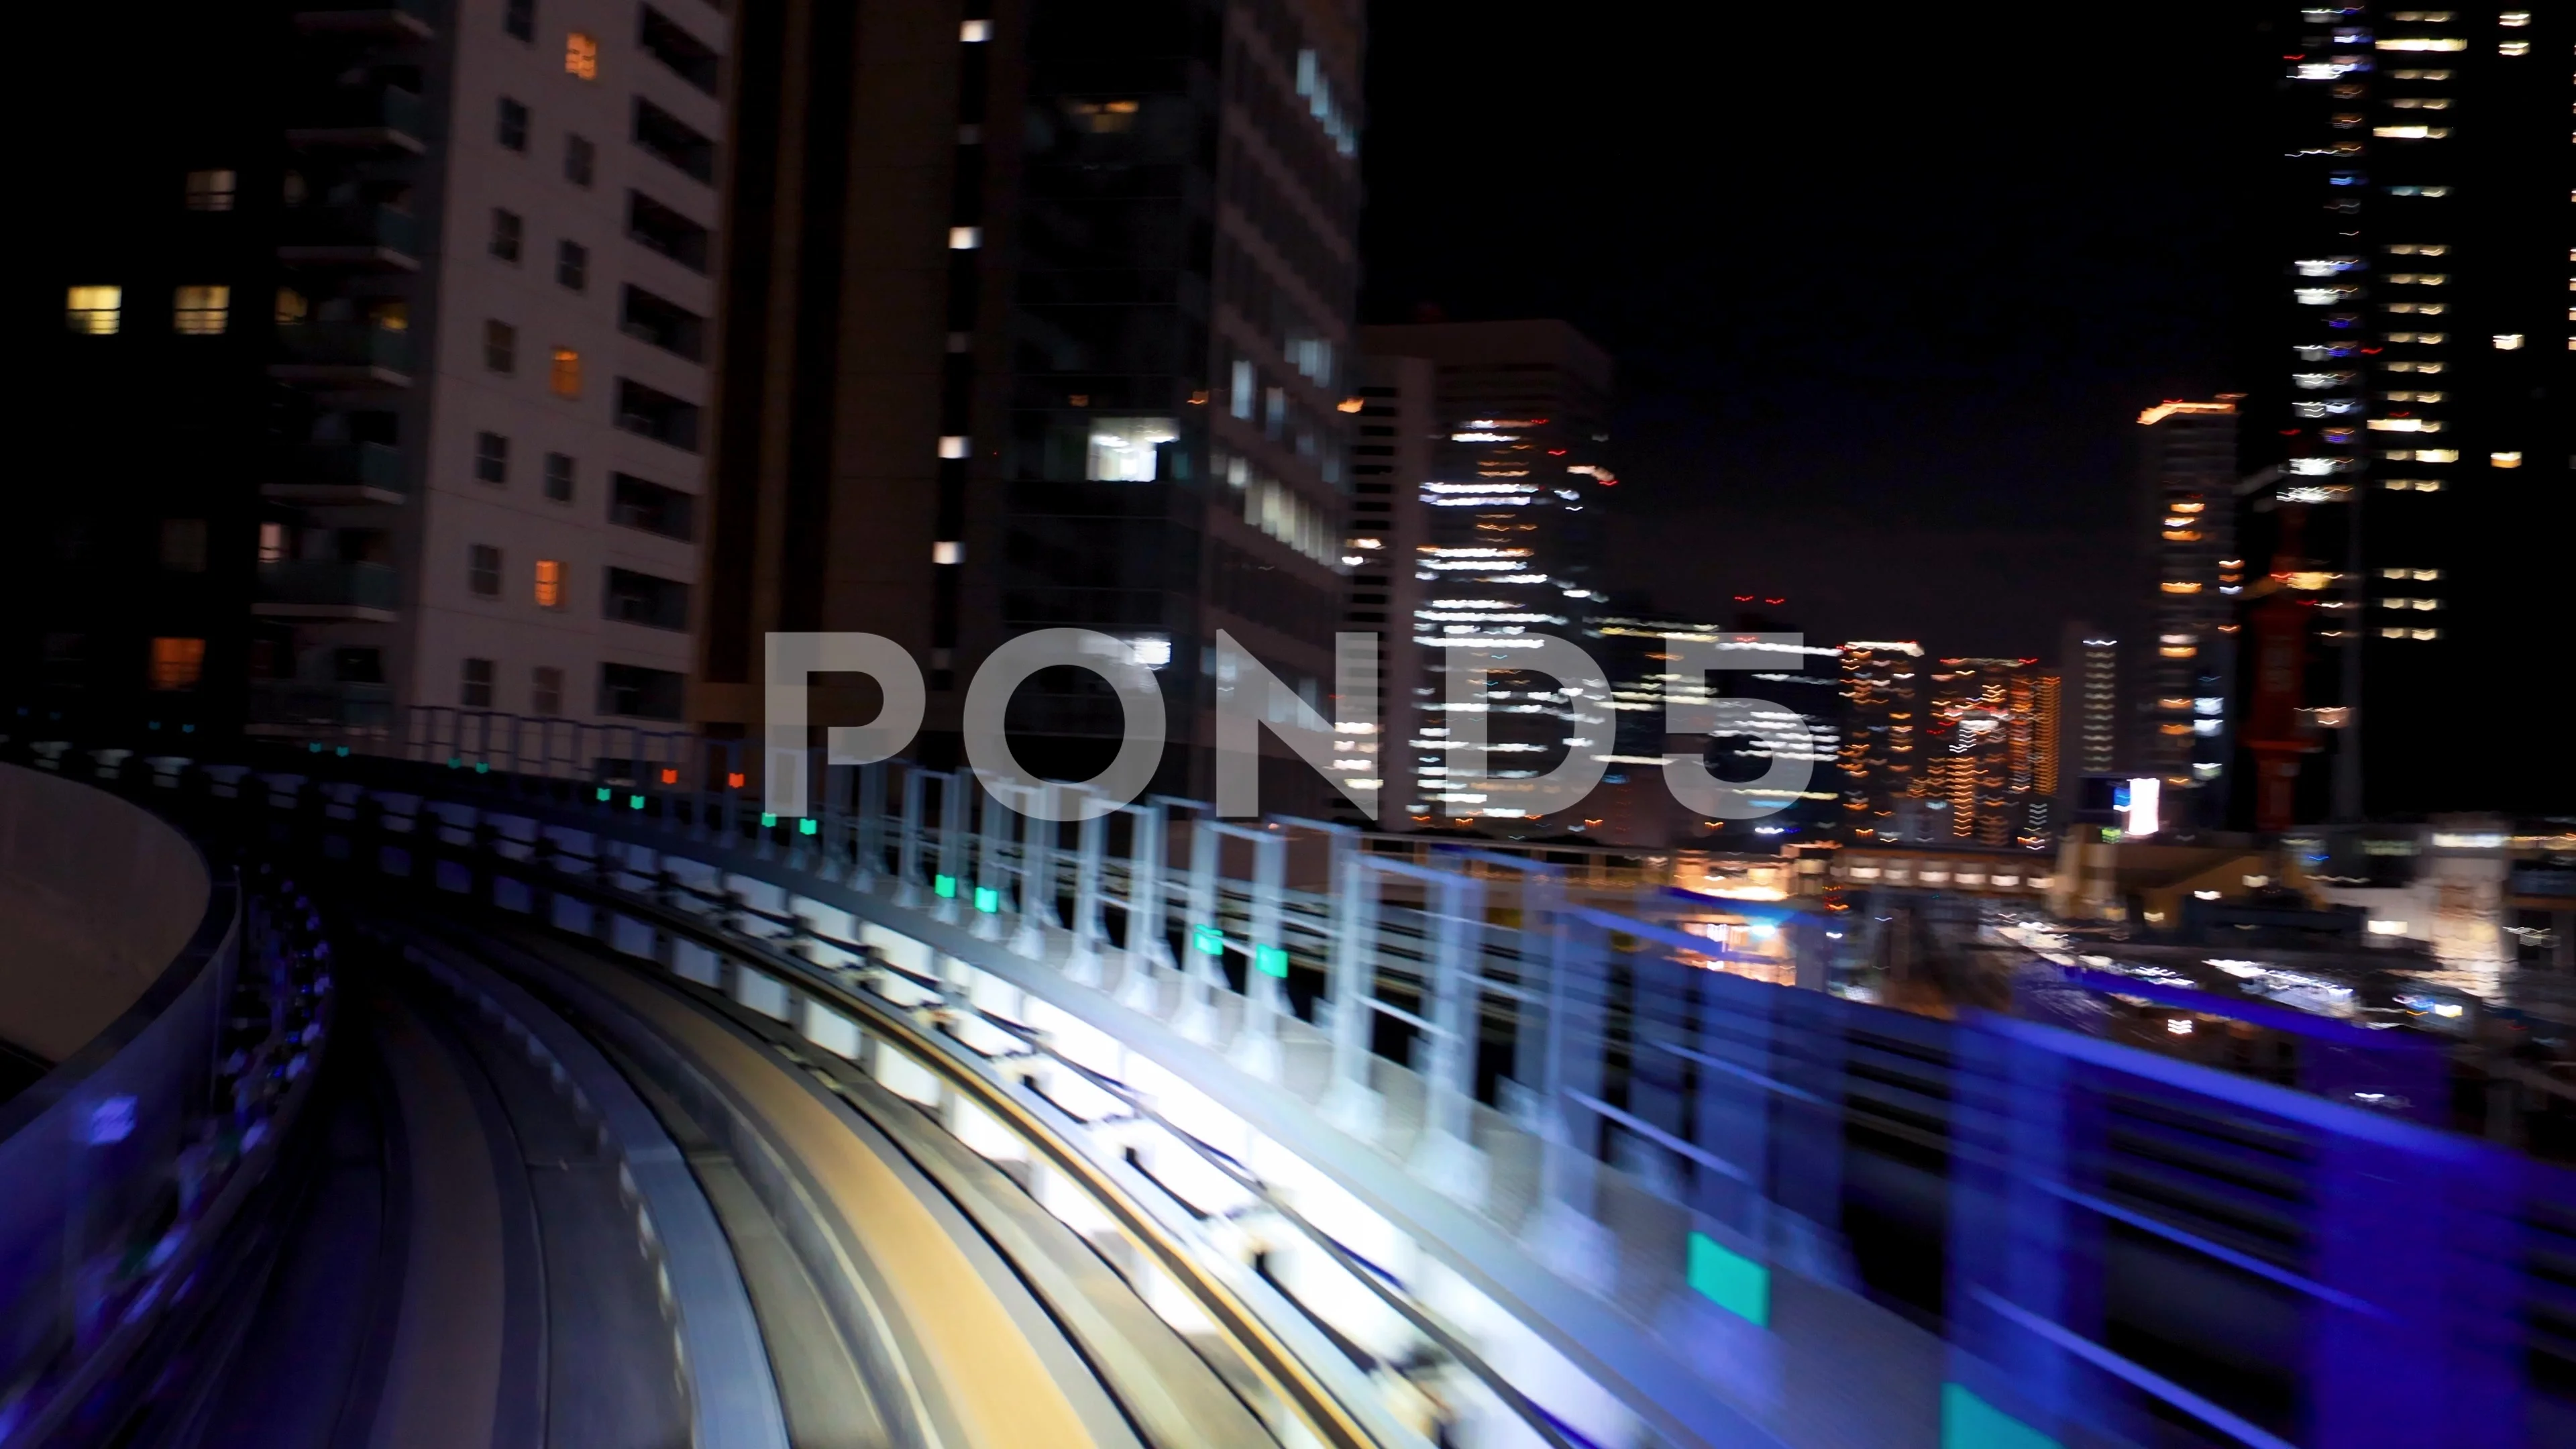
(1580, 1111)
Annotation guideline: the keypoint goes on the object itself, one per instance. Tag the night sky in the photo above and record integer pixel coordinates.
(1885, 287)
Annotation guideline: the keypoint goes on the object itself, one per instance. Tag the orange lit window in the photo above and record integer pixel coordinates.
(550, 583)
(177, 663)
(202, 311)
(565, 379)
(581, 56)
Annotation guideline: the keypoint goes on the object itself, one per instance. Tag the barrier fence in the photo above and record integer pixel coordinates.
(1731, 1207)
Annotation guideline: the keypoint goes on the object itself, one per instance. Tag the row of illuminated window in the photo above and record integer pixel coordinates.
(1281, 512)
(195, 311)
(2503, 458)
(627, 596)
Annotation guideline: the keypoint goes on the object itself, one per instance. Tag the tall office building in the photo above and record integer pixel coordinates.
(2089, 715)
(1390, 459)
(423, 298)
(1799, 719)
(1989, 764)
(1039, 316)
(2187, 476)
(1510, 521)
(1882, 748)
(2418, 274)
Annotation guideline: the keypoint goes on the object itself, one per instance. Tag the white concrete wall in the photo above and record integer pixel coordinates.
(454, 624)
(96, 898)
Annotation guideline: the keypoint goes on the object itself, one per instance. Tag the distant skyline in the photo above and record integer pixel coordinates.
(1885, 301)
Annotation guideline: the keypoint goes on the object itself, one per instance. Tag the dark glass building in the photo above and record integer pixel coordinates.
(1040, 319)
(2409, 389)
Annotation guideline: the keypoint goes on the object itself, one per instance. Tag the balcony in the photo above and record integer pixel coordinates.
(289, 706)
(325, 588)
(374, 119)
(339, 473)
(344, 354)
(383, 19)
(368, 238)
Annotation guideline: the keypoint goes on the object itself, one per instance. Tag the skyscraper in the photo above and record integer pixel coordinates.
(1989, 763)
(1881, 752)
(1800, 718)
(1389, 462)
(2088, 665)
(1040, 317)
(421, 302)
(2187, 472)
(2418, 273)
(1510, 526)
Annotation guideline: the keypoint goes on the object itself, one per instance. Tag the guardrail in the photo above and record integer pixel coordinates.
(1657, 1197)
(127, 1162)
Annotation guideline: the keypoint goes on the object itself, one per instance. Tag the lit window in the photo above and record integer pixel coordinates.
(1123, 450)
(965, 238)
(178, 663)
(272, 543)
(483, 570)
(2504, 460)
(581, 56)
(975, 32)
(1103, 117)
(2514, 19)
(476, 685)
(210, 190)
(2514, 47)
(94, 311)
(203, 311)
(947, 552)
(550, 583)
(564, 377)
(292, 307)
(545, 690)
(500, 347)
(2508, 342)
(952, 446)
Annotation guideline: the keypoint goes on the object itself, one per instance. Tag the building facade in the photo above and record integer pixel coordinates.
(438, 284)
(1881, 754)
(1989, 762)
(1041, 317)
(1510, 537)
(2412, 361)
(1390, 460)
(1799, 688)
(2187, 487)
